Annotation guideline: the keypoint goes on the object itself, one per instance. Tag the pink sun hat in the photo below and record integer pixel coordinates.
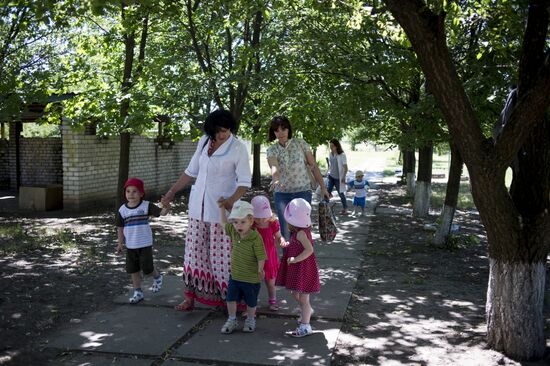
(262, 208)
(298, 213)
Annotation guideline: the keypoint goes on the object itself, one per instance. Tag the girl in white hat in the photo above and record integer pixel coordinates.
(298, 271)
(268, 226)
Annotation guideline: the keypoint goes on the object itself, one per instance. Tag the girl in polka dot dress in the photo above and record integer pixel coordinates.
(298, 271)
(268, 226)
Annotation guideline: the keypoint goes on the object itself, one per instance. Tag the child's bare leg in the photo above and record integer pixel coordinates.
(296, 296)
(307, 310)
(271, 290)
(136, 280)
(250, 312)
(232, 309)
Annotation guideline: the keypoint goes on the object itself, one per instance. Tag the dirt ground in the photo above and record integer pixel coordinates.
(413, 304)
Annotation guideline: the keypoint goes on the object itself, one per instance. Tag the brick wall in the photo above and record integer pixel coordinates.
(41, 163)
(90, 167)
(40, 160)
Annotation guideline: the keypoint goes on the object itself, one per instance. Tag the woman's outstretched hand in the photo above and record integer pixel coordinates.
(325, 194)
(167, 198)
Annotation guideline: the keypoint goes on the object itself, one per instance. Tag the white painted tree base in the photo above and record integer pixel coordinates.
(447, 215)
(421, 206)
(515, 295)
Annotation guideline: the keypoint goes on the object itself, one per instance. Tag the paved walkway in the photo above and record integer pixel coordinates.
(152, 333)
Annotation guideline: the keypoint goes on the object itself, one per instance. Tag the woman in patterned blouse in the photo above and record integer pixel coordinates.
(289, 158)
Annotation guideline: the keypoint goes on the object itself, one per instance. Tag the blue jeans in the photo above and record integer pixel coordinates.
(281, 200)
(335, 183)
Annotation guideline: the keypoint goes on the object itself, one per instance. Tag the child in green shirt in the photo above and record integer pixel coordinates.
(247, 264)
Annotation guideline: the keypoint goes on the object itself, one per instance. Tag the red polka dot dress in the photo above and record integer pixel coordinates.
(302, 276)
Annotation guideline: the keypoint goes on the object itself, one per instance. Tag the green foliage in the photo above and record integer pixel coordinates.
(461, 241)
(31, 35)
(14, 239)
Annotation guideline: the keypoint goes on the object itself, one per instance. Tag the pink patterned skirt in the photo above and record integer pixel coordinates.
(207, 263)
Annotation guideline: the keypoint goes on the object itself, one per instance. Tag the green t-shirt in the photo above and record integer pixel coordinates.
(245, 254)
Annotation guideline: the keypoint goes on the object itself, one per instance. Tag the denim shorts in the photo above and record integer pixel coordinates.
(359, 201)
(238, 290)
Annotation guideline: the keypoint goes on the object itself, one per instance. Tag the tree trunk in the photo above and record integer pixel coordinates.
(515, 298)
(409, 167)
(517, 223)
(423, 191)
(451, 197)
(124, 154)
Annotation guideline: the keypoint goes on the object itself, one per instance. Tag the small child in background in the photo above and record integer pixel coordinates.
(134, 232)
(360, 198)
(247, 264)
(298, 271)
(268, 226)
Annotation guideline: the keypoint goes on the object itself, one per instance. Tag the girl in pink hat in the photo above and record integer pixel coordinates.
(268, 226)
(298, 271)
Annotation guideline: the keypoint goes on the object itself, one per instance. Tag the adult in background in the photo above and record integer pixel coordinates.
(221, 168)
(337, 170)
(289, 159)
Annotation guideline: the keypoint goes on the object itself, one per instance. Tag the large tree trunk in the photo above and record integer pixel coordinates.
(423, 192)
(451, 197)
(517, 225)
(515, 298)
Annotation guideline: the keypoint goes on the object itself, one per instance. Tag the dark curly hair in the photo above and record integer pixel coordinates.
(220, 118)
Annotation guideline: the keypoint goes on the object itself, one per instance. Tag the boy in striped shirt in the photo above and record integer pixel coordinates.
(247, 264)
(134, 232)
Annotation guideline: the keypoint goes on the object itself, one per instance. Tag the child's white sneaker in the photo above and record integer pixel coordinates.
(137, 297)
(230, 325)
(157, 284)
(249, 325)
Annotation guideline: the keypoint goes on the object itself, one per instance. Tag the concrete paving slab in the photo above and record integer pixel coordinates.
(268, 345)
(339, 249)
(91, 359)
(117, 330)
(171, 362)
(170, 295)
(338, 279)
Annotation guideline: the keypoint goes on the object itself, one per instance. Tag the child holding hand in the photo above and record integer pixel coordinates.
(134, 232)
(247, 264)
(298, 271)
(268, 227)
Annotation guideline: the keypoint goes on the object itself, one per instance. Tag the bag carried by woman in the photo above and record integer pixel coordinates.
(327, 227)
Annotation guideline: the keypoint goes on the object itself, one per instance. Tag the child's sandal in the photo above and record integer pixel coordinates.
(184, 306)
(273, 306)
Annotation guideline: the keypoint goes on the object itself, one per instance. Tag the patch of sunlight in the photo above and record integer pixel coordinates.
(389, 299)
(94, 339)
(23, 264)
(453, 303)
(455, 315)
(292, 354)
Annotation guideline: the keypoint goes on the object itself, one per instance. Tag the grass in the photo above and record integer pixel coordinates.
(465, 199)
(15, 239)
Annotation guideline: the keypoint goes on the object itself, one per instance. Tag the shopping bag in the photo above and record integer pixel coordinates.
(327, 226)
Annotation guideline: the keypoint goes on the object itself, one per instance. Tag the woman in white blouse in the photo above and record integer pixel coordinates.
(289, 159)
(220, 167)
